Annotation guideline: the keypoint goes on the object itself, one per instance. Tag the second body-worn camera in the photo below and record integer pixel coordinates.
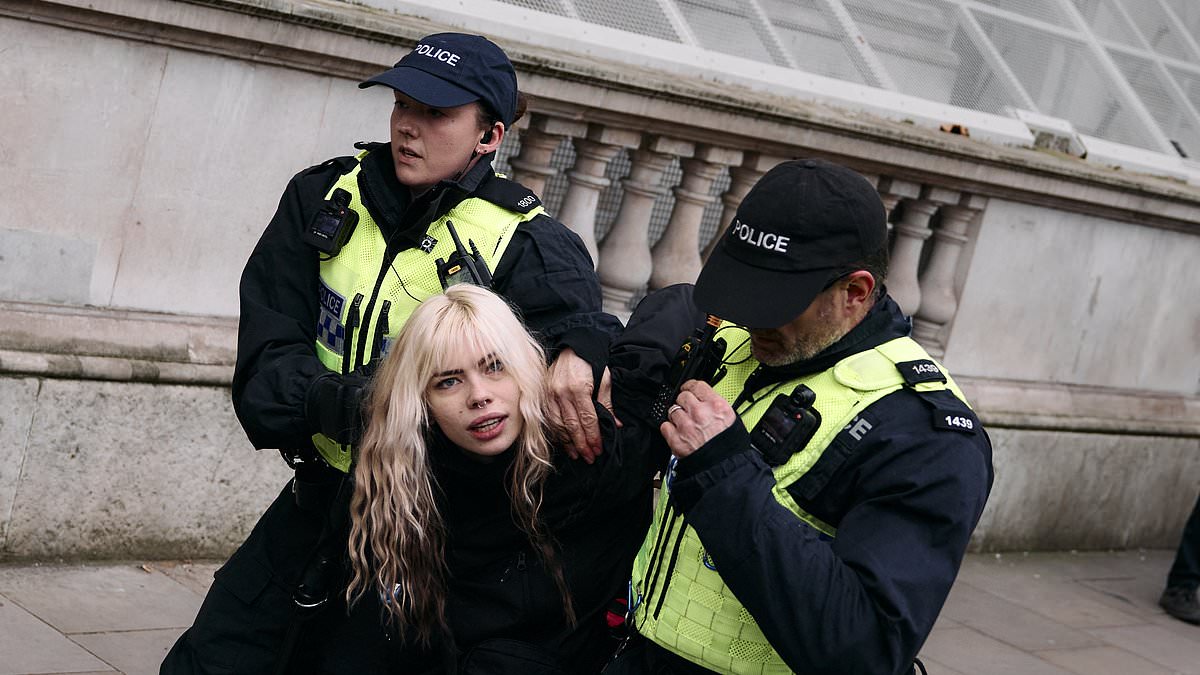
(787, 426)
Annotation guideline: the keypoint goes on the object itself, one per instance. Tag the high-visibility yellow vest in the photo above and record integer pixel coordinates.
(689, 610)
(364, 306)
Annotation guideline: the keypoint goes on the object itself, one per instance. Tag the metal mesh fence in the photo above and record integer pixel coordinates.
(810, 33)
(548, 6)
(1081, 60)
(1157, 29)
(1154, 91)
(1189, 82)
(1040, 10)
(635, 16)
(1107, 22)
(1064, 79)
(730, 27)
(1188, 13)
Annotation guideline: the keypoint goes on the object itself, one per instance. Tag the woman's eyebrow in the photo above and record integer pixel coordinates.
(456, 371)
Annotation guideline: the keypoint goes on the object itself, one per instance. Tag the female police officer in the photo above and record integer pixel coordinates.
(353, 248)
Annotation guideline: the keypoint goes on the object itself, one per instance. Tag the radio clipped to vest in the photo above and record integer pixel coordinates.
(699, 358)
(787, 426)
(463, 266)
(332, 225)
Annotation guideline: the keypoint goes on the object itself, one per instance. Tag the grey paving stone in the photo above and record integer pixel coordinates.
(1092, 660)
(28, 645)
(1062, 599)
(196, 576)
(935, 667)
(969, 651)
(94, 599)
(1132, 595)
(1157, 644)
(134, 652)
(1010, 622)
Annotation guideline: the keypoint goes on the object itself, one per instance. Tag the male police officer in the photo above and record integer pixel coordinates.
(820, 496)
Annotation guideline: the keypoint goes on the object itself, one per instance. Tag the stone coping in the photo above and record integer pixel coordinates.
(133, 346)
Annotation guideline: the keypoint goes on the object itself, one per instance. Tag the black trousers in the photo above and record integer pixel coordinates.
(1185, 571)
(242, 624)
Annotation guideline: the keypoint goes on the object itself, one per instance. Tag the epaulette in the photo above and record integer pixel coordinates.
(343, 165)
(508, 194)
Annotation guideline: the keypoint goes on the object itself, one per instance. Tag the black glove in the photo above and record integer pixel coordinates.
(333, 405)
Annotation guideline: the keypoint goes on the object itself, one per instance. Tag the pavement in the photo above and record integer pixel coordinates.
(1028, 613)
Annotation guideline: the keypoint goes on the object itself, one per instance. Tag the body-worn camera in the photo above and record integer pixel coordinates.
(333, 224)
(463, 266)
(698, 359)
(787, 426)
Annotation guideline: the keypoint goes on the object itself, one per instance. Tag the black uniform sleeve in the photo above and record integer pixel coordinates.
(640, 358)
(547, 273)
(865, 601)
(276, 358)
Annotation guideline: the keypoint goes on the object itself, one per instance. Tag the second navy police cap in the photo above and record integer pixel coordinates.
(805, 223)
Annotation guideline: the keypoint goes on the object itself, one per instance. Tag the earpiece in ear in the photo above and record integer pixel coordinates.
(486, 138)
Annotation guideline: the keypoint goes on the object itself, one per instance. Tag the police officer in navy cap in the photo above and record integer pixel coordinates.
(356, 243)
(825, 474)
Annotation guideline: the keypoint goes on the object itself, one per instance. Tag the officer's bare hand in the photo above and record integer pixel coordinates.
(571, 407)
(699, 414)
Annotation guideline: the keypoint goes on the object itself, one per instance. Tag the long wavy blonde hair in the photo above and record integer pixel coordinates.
(397, 535)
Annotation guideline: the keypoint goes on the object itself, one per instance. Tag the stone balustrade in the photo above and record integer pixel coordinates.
(927, 249)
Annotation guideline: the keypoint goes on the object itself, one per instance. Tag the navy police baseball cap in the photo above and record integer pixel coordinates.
(452, 69)
(805, 223)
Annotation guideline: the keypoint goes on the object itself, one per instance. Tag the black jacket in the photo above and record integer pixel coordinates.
(503, 606)
(904, 500)
(545, 271)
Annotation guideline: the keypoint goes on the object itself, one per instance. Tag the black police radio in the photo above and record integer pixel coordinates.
(788, 425)
(332, 225)
(697, 359)
(463, 266)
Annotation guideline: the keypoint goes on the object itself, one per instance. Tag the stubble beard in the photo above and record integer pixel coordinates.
(806, 345)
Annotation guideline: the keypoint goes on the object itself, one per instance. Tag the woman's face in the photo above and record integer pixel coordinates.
(476, 403)
(430, 145)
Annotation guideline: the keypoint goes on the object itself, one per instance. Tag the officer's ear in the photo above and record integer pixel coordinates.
(490, 139)
(860, 288)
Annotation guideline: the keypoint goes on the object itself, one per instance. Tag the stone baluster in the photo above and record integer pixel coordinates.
(892, 190)
(676, 256)
(625, 262)
(911, 233)
(939, 301)
(531, 166)
(586, 179)
(741, 179)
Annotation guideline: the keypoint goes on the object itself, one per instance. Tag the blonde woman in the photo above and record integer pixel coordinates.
(489, 551)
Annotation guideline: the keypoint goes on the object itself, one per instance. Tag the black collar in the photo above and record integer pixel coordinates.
(402, 219)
